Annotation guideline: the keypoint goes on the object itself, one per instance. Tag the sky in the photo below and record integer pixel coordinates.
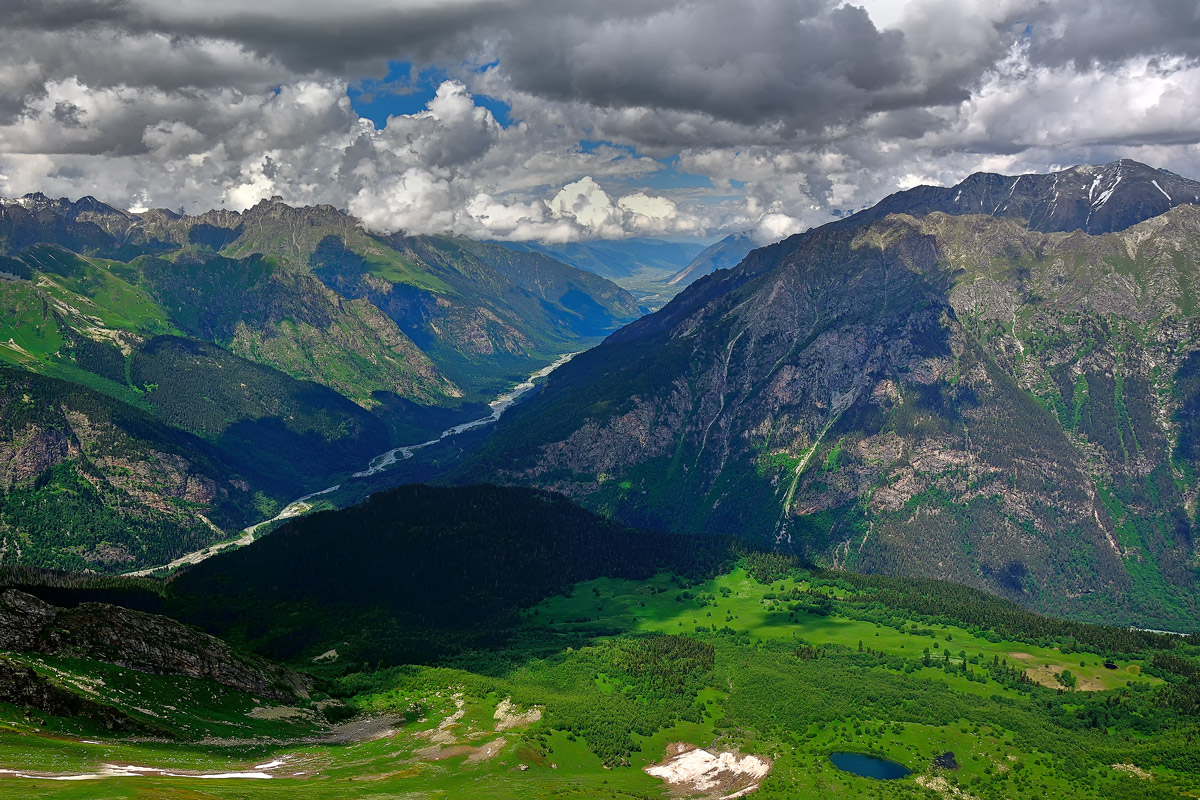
(565, 120)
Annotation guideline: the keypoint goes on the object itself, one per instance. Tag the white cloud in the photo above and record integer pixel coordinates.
(649, 215)
(773, 227)
(794, 111)
(585, 203)
(418, 201)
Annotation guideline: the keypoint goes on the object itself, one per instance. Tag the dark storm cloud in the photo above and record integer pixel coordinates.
(803, 63)
(803, 105)
(1090, 32)
(67, 114)
(61, 14)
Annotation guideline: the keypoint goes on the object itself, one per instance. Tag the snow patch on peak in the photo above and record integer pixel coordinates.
(1106, 194)
(1164, 192)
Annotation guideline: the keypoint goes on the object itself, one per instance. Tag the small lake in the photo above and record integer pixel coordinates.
(869, 766)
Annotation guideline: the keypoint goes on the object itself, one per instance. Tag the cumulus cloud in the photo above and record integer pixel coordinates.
(795, 110)
(587, 204)
(654, 214)
(418, 200)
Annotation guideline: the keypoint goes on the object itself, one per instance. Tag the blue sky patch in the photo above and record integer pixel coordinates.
(407, 90)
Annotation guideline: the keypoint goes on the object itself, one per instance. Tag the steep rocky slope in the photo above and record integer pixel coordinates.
(953, 396)
(87, 482)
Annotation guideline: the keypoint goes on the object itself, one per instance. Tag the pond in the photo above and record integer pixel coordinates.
(869, 766)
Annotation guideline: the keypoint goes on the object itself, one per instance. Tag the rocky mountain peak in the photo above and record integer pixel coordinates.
(1096, 199)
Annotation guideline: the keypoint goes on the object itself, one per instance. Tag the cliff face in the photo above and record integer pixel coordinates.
(143, 642)
(952, 396)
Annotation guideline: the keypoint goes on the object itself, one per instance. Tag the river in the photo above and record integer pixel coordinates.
(303, 505)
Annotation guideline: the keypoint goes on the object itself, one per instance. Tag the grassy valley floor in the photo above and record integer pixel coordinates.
(591, 688)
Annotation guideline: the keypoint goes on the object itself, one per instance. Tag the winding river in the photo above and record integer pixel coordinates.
(302, 505)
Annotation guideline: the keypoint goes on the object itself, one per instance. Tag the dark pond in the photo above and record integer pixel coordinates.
(869, 766)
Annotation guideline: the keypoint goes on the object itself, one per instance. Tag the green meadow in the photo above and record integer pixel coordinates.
(603, 679)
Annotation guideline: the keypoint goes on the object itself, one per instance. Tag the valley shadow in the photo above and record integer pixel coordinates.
(422, 575)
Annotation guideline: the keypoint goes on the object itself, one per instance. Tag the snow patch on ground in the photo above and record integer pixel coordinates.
(129, 771)
(695, 771)
(1106, 194)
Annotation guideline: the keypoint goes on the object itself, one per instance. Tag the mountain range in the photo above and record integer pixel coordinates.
(789, 460)
(1002, 399)
(617, 259)
(169, 379)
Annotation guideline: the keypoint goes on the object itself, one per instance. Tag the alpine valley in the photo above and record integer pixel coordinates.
(168, 380)
(903, 506)
(563, 399)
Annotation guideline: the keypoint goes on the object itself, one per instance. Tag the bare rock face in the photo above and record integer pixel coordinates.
(31, 452)
(964, 397)
(144, 642)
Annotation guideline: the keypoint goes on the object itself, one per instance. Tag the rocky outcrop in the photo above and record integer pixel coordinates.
(32, 451)
(24, 688)
(144, 642)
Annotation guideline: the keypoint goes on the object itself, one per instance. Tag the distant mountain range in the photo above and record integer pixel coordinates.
(167, 379)
(618, 259)
(993, 383)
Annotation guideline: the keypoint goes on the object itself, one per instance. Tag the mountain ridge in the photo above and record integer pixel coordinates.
(724, 254)
(812, 396)
(290, 344)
